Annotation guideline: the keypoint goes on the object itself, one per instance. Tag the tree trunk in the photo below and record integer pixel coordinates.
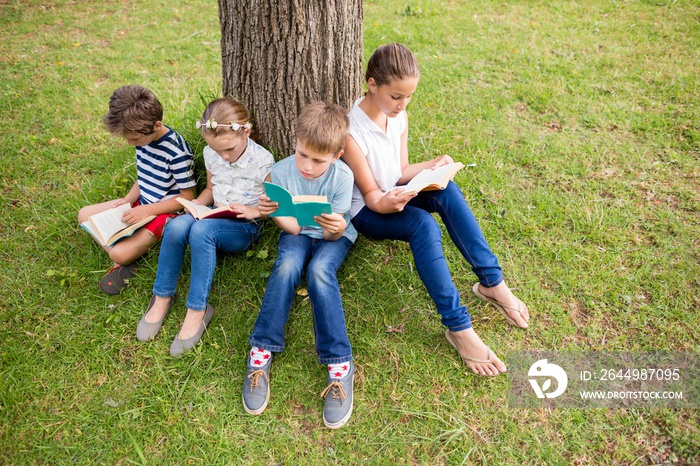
(278, 56)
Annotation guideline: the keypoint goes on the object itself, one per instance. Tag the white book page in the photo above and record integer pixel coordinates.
(309, 198)
(110, 221)
(90, 228)
(428, 176)
(194, 208)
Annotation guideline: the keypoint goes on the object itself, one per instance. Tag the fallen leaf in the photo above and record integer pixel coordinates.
(110, 402)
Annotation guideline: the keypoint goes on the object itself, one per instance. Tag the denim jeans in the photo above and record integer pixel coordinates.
(416, 225)
(324, 259)
(205, 238)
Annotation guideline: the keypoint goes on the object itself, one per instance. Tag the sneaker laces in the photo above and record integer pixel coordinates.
(254, 377)
(336, 391)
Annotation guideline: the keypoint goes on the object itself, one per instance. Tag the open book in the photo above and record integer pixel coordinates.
(107, 227)
(303, 208)
(201, 211)
(432, 179)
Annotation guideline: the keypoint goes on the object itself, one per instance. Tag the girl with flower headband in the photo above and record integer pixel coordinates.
(377, 153)
(236, 167)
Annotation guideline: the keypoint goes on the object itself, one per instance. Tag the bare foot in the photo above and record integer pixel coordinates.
(158, 310)
(475, 353)
(193, 320)
(504, 299)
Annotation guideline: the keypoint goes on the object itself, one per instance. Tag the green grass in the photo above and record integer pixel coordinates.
(582, 120)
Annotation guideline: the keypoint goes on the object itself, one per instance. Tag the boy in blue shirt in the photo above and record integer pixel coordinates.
(314, 169)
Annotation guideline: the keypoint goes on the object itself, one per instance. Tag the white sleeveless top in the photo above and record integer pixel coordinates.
(383, 150)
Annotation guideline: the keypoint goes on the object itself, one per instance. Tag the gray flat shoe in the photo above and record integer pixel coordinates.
(181, 346)
(146, 331)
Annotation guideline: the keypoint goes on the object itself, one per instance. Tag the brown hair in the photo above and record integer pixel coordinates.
(133, 110)
(225, 111)
(323, 127)
(391, 62)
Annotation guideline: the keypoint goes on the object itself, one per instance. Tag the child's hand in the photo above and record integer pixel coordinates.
(332, 223)
(440, 161)
(245, 212)
(395, 200)
(119, 202)
(266, 206)
(135, 214)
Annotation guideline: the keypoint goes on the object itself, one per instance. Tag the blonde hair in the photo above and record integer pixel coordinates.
(225, 111)
(323, 127)
(391, 62)
(133, 109)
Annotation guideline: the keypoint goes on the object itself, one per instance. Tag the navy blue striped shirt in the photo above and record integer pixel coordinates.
(164, 167)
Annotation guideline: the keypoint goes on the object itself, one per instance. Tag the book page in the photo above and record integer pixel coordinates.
(88, 226)
(309, 198)
(195, 209)
(128, 231)
(110, 221)
(439, 177)
(429, 176)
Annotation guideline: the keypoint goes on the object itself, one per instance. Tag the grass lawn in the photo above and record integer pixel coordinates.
(582, 120)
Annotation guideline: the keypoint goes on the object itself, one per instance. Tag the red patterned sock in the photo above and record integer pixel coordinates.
(338, 371)
(259, 357)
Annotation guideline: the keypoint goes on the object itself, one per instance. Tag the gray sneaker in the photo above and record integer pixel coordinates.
(256, 388)
(338, 405)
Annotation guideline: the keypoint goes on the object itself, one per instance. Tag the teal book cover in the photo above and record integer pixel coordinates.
(303, 208)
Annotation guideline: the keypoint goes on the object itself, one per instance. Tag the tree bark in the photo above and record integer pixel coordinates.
(278, 56)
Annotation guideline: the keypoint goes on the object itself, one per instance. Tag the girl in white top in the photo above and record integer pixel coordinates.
(377, 153)
(236, 168)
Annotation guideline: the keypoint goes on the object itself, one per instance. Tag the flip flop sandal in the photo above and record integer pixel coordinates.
(489, 353)
(499, 306)
(116, 279)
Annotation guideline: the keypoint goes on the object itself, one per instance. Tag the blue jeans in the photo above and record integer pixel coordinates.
(204, 237)
(416, 225)
(324, 259)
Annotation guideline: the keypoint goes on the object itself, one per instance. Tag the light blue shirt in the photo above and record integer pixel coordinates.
(336, 184)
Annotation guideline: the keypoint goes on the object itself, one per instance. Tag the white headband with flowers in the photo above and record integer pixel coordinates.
(211, 124)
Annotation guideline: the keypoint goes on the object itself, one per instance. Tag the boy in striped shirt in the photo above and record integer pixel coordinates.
(164, 169)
